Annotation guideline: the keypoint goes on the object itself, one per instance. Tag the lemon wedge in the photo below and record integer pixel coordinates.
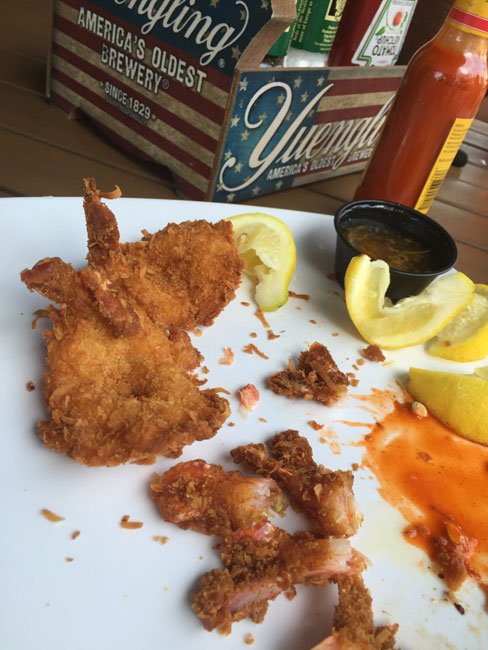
(266, 245)
(465, 337)
(460, 401)
(411, 320)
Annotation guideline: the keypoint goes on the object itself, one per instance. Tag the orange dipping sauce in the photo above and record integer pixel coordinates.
(439, 482)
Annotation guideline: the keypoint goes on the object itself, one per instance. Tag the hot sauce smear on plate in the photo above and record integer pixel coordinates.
(439, 482)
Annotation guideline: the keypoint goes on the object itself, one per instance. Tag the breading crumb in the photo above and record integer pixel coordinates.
(30, 386)
(300, 296)
(75, 534)
(228, 357)
(315, 425)
(50, 516)
(373, 353)
(252, 349)
(261, 317)
(130, 525)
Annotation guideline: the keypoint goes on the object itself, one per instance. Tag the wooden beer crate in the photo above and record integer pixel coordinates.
(179, 82)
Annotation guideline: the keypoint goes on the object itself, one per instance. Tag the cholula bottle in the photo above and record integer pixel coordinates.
(371, 32)
(438, 98)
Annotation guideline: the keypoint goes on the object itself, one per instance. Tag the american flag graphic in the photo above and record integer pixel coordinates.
(295, 126)
(95, 68)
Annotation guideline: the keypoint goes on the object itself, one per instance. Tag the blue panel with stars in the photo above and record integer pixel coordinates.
(273, 112)
(212, 32)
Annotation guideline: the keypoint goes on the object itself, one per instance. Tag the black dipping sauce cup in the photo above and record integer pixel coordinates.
(406, 220)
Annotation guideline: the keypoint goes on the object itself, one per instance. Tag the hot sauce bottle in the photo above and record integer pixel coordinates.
(439, 95)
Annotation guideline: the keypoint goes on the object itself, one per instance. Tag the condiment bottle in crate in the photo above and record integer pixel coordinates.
(371, 32)
(439, 95)
(314, 32)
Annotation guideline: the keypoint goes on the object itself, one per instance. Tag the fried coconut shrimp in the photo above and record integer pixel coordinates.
(353, 626)
(181, 276)
(324, 495)
(262, 561)
(120, 385)
(316, 377)
(205, 498)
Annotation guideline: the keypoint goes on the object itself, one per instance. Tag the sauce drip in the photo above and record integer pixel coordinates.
(439, 482)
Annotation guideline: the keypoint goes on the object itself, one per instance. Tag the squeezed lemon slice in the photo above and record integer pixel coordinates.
(460, 401)
(411, 320)
(266, 245)
(465, 337)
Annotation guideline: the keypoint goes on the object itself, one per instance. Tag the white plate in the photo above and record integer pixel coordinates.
(123, 590)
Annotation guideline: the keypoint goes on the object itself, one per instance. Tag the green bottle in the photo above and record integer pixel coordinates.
(316, 25)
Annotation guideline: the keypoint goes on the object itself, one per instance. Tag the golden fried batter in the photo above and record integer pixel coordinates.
(316, 377)
(262, 561)
(120, 386)
(204, 497)
(322, 494)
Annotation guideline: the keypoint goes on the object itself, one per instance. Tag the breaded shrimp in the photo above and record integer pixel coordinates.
(205, 498)
(120, 385)
(324, 495)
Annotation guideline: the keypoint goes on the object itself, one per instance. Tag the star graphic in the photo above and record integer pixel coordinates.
(288, 116)
(298, 82)
(236, 53)
(262, 117)
(228, 154)
(241, 103)
(245, 135)
(256, 190)
(220, 187)
(234, 120)
(243, 14)
(238, 167)
(264, 4)
(243, 84)
(213, 3)
(246, 179)
(304, 97)
(320, 81)
(230, 197)
(311, 112)
(279, 185)
(280, 99)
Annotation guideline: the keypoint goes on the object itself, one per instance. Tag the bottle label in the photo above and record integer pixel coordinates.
(316, 25)
(383, 40)
(443, 163)
(470, 16)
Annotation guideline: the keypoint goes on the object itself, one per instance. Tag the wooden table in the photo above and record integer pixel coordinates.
(43, 153)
